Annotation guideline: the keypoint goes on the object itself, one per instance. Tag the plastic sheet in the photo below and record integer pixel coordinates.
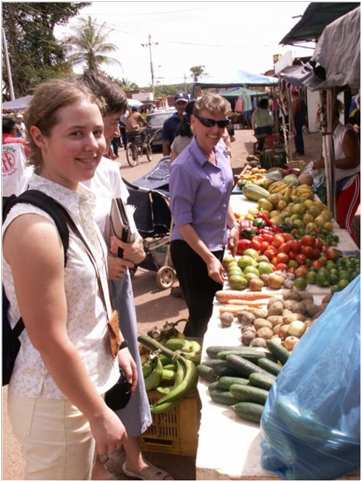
(311, 421)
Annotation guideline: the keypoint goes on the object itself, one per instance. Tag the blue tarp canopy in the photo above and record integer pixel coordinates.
(18, 104)
(134, 103)
(240, 92)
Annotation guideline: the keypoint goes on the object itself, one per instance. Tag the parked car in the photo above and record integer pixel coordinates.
(156, 121)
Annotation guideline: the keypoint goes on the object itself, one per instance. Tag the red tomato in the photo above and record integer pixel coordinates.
(300, 259)
(307, 251)
(259, 239)
(244, 244)
(295, 246)
(318, 243)
(315, 253)
(292, 255)
(264, 245)
(301, 271)
(308, 240)
(267, 237)
(255, 244)
(281, 267)
(287, 236)
(284, 248)
(269, 253)
(278, 240)
(331, 253)
(316, 264)
(282, 258)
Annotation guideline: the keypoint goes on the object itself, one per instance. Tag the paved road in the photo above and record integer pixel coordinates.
(153, 306)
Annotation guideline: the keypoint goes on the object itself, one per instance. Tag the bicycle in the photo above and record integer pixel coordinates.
(138, 144)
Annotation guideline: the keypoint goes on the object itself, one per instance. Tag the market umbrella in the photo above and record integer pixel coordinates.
(134, 103)
(18, 104)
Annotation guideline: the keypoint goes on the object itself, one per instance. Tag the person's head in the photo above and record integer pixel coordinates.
(113, 98)
(263, 103)
(134, 109)
(65, 129)
(9, 125)
(209, 120)
(181, 101)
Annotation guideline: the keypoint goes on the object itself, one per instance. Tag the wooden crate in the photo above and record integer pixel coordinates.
(175, 431)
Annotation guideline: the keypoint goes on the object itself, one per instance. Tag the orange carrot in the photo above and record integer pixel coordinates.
(240, 295)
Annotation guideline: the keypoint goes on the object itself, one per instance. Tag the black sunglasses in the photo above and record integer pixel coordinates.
(205, 121)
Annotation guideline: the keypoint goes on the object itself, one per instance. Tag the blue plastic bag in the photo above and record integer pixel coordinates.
(311, 421)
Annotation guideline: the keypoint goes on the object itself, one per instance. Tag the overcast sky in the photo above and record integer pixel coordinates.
(223, 36)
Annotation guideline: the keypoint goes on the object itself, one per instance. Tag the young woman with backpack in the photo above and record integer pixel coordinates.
(69, 352)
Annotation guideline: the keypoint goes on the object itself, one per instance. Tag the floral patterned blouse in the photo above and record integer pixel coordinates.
(86, 314)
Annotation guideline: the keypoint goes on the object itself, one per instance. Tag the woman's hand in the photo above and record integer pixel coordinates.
(215, 270)
(127, 363)
(131, 251)
(108, 431)
(234, 239)
(117, 267)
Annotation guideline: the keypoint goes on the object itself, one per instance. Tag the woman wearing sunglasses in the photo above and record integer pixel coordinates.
(201, 182)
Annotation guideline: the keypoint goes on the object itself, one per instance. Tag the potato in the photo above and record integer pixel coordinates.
(296, 328)
(248, 328)
(288, 316)
(290, 342)
(292, 294)
(247, 337)
(292, 305)
(283, 332)
(276, 328)
(275, 281)
(275, 319)
(258, 342)
(265, 333)
(260, 312)
(311, 309)
(306, 296)
(246, 318)
(275, 308)
(261, 322)
(226, 319)
(276, 339)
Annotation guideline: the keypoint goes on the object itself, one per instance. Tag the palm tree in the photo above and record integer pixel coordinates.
(198, 71)
(89, 45)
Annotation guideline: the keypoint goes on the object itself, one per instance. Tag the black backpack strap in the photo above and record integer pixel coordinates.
(55, 210)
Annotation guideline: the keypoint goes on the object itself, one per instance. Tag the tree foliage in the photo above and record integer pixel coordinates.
(35, 54)
(198, 71)
(89, 45)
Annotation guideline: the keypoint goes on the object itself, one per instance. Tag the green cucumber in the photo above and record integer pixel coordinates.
(212, 351)
(247, 353)
(242, 366)
(214, 362)
(280, 353)
(247, 393)
(214, 387)
(225, 383)
(261, 380)
(225, 398)
(249, 411)
(269, 366)
(175, 343)
(207, 373)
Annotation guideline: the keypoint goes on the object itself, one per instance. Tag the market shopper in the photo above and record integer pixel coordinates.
(65, 364)
(299, 114)
(172, 124)
(183, 134)
(346, 168)
(107, 184)
(200, 186)
(262, 122)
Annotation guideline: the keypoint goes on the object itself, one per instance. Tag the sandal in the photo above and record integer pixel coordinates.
(148, 473)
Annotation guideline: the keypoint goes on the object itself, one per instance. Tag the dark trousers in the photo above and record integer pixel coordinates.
(198, 288)
(298, 139)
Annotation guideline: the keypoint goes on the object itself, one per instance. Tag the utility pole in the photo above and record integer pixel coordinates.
(8, 67)
(185, 84)
(149, 45)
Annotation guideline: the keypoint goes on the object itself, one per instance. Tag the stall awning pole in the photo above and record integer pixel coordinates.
(329, 153)
(291, 125)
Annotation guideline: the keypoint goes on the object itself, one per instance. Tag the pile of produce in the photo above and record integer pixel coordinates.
(169, 368)
(282, 318)
(254, 175)
(241, 376)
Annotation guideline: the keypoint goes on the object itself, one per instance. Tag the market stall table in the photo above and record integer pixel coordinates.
(228, 447)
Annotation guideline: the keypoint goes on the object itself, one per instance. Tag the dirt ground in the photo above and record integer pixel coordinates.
(153, 307)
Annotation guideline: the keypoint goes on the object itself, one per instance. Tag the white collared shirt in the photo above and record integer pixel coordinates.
(86, 317)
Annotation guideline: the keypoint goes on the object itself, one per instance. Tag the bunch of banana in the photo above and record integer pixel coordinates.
(171, 366)
(304, 191)
(278, 187)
